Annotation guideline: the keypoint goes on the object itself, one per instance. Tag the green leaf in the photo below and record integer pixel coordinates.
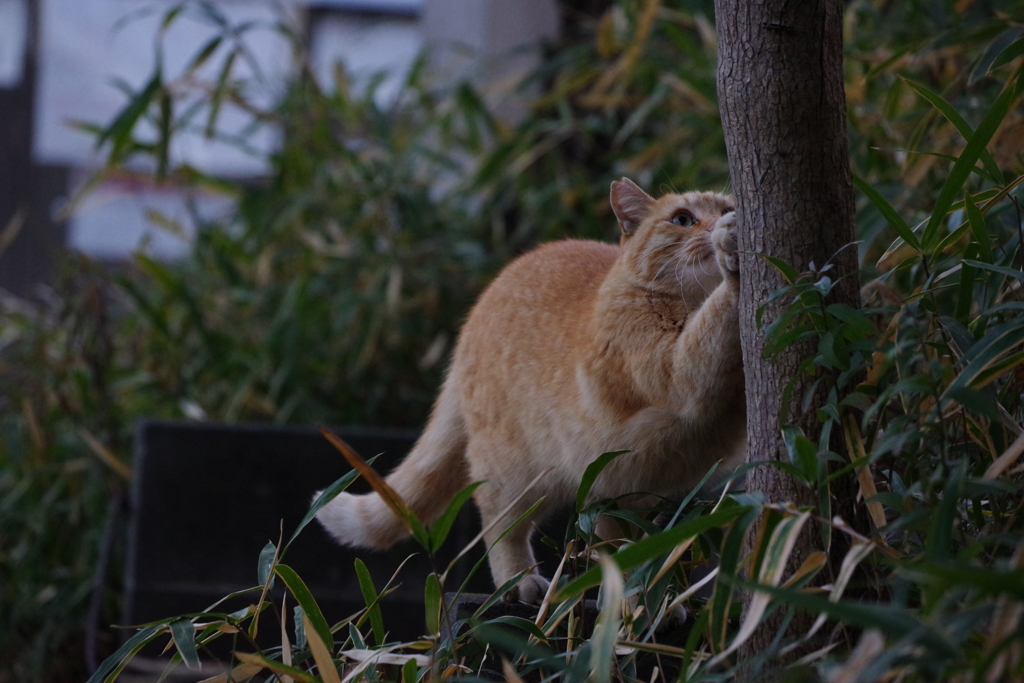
(301, 593)
(977, 223)
(328, 494)
(521, 623)
(166, 125)
(852, 317)
(204, 53)
(945, 518)
(184, 635)
(409, 671)
(602, 642)
(300, 627)
(990, 349)
(789, 272)
(369, 592)
(894, 220)
(802, 452)
(265, 564)
(968, 157)
(721, 598)
(651, 547)
(507, 640)
(696, 631)
(432, 603)
(897, 622)
(1014, 50)
(115, 663)
(827, 350)
(170, 16)
(962, 127)
(965, 292)
(1009, 272)
(217, 97)
(390, 497)
(499, 593)
(590, 476)
(438, 532)
(984, 65)
(120, 131)
(956, 575)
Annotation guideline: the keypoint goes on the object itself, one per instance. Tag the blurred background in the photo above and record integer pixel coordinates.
(238, 211)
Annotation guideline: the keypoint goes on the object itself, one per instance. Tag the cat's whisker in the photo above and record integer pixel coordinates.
(702, 262)
(666, 264)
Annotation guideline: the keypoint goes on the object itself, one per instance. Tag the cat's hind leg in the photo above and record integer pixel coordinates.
(510, 551)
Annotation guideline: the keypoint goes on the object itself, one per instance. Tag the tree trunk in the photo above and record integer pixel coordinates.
(780, 88)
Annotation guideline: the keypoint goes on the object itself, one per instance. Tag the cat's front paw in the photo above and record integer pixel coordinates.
(531, 589)
(723, 238)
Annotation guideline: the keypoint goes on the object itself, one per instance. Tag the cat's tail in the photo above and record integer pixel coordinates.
(429, 477)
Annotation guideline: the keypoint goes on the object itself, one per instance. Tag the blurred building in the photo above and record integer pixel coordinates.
(69, 63)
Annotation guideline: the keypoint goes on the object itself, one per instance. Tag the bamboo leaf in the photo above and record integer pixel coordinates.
(115, 663)
(945, 517)
(965, 291)
(895, 221)
(438, 532)
(995, 49)
(521, 623)
(242, 672)
(968, 157)
(962, 127)
(275, 666)
(321, 653)
(184, 635)
(432, 603)
(802, 452)
(729, 561)
(978, 227)
(590, 476)
(776, 555)
(383, 489)
(311, 611)
(898, 622)
(204, 53)
(369, 592)
(326, 496)
(652, 547)
(789, 272)
(602, 643)
(992, 348)
(409, 670)
(120, 130)
(1014, 50)
(1009, 272)
(265, 564)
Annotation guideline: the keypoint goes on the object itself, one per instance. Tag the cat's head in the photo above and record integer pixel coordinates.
(668, 240)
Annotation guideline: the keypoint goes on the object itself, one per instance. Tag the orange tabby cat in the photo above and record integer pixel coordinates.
(578, 348)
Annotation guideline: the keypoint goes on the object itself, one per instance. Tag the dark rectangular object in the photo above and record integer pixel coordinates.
(207, 498)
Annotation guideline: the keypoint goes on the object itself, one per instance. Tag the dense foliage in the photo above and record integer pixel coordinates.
(334, 292)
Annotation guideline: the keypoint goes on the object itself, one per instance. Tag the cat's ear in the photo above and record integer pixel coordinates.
(630, 205)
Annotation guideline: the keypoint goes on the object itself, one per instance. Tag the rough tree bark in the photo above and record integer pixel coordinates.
(780, 88)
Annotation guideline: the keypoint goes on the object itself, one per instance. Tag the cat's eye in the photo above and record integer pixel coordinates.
(683, 219)
(728, 210)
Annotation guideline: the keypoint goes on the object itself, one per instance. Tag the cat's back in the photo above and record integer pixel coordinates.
(554, 282)
(539, 307)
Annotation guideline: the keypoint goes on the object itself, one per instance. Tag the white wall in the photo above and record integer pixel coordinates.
(86, 44)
